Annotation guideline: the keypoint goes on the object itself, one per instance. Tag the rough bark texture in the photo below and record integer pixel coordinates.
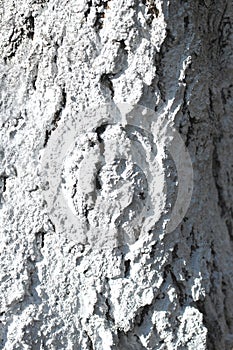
(169, 290)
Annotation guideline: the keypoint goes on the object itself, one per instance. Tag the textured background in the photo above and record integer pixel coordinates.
(169, 291)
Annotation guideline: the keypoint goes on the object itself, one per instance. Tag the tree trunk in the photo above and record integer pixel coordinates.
(116, 184)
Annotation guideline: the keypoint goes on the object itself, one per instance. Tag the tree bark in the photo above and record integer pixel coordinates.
(121, 279)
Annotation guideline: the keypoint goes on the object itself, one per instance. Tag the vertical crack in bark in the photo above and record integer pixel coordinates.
(17, 36)
(152, 10)
(30, 27)
(105, 79)
(56, 117)
(127, 268)
(89, 342)
(87, 12)
(225, 211)
(100, 8)
(159, 63)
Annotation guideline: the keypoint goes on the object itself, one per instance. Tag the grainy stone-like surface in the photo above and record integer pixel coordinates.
(165, 290)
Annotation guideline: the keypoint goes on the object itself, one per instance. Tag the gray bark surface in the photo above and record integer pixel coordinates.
(159, 290)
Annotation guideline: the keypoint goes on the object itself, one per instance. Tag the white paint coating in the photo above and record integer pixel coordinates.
(60, 62)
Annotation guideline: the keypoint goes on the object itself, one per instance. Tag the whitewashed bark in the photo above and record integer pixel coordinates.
(170, 291)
